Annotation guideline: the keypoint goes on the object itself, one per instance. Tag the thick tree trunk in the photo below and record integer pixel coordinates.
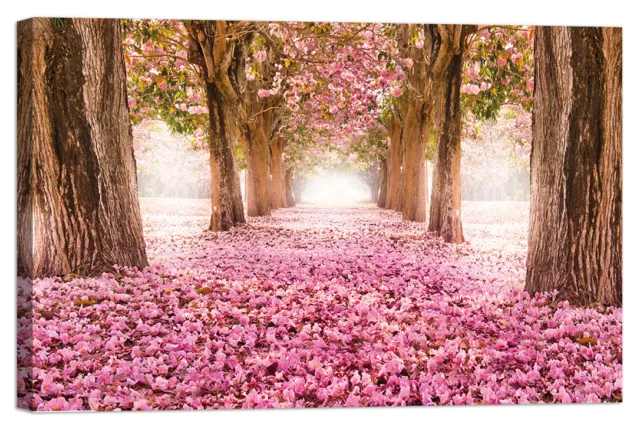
(226, 197)
(413, 182)
(382, 199)
(258, 179)
(394, 165)
(217, 56)
(444, 214)
(278, 191)
(575, 227)
(288, 182)
(78, 205)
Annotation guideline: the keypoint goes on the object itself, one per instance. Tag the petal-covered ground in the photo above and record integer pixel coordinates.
(315, 306)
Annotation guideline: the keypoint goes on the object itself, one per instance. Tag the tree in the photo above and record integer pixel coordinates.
(417, 117)
(78, 206)
(575, 227)
(445, 209)
(278, 173)
(382, 198)
(288, 181)
(394, 165)
(217, 48)
(259, 120)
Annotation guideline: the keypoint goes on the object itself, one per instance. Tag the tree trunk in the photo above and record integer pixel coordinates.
(226, 198)
(398, 206)
(382, 199)
(413, 181)
(217, 56)
(374, 189)
(78, 207)
(288, 182)
(394, 165)
(258, 179)
(279, 195)
(444, 214)
(427, 197)
(575, 227)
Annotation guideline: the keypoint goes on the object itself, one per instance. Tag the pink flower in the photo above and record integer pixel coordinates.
(260, 56)
(314, 364)
(57, 404)
(408, 63)
(501, 62)
(396, 91)
(352, 401)
(250, 76)
(141, 405)
(162, 85)
(419, 43)
(530, 85)
(264, 93)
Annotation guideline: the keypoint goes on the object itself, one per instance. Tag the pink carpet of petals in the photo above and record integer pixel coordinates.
(313, 307)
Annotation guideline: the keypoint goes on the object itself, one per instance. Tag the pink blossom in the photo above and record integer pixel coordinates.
(260, 56)
(396, 91)
(56, 404)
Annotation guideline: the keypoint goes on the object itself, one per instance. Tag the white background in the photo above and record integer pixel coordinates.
(602, 13)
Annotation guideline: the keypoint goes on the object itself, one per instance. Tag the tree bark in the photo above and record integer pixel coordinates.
(226, 197)
(78, 209)
(279, 195)
(218, 56)
(444, 214)
(575, 227)
(256, 149)
(288, 181)
(382, 199)
(414, 205)
(394, 165)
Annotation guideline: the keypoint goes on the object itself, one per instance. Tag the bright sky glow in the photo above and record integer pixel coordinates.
(338, 189)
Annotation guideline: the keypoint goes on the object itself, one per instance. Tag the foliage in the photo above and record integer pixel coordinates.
(498, 70)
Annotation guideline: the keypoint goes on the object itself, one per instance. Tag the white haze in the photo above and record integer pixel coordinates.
(336, 189)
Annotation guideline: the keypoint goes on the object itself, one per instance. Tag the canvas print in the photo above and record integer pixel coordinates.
(243, 214)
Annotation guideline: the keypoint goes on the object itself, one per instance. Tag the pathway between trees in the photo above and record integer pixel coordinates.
(318, 306)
